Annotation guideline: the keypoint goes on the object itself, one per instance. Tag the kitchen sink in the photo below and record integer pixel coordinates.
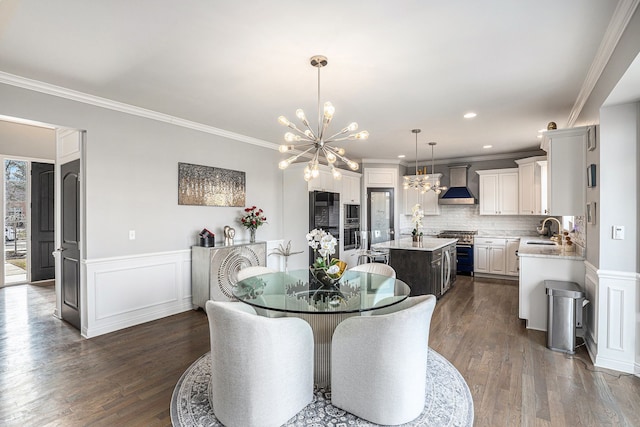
(541, 243)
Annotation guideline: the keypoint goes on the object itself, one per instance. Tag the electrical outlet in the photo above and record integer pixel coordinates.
(132, 234)
(618, 232)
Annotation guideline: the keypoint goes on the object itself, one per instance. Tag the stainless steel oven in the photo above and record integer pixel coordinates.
(351, 214)
(350, 231)
(351, 225)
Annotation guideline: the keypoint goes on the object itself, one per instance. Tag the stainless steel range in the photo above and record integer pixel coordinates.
(464, 248)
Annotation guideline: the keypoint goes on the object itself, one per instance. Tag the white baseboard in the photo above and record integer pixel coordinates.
(127, 291)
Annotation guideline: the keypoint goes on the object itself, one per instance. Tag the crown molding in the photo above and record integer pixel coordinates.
(472, 159)
(62, 92)
(617, 25)
(385, 161)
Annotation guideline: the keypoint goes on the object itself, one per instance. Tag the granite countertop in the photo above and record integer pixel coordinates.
(428, 244)
(546, 251)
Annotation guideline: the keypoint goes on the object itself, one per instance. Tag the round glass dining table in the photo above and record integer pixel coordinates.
(297, 294)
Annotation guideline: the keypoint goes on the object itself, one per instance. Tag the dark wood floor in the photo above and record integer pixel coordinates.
(49, 375)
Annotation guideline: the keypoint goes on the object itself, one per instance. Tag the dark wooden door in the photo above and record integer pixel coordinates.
(42, 222)
(70, 242)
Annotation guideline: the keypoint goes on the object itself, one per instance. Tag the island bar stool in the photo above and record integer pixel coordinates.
(364, 252)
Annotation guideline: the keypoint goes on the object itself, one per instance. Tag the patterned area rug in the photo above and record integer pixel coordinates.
(448, 402)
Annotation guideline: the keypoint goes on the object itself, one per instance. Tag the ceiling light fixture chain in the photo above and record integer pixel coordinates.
(317, 141)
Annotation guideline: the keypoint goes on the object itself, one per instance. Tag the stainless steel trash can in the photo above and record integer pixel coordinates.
(564, 314)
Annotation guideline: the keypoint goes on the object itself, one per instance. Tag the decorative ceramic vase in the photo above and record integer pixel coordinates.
(324, 289)
(252, 235)
(322, 279)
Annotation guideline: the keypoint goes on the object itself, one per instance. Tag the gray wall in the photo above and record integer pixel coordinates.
(27, 141)
(593, 196)
(619, 139)
(131, 176)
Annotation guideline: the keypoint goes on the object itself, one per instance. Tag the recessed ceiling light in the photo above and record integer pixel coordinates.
(487, 146)
(401, 156)
(470, 115)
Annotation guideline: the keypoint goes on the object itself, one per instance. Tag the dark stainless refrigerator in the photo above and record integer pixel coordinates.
(324, 213)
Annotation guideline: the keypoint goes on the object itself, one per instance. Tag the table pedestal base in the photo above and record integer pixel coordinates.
(323, 326)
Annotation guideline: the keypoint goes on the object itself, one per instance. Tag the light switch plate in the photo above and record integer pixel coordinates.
(618, 232)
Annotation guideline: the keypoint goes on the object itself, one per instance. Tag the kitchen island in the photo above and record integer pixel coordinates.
(540, 260)
(428, 267)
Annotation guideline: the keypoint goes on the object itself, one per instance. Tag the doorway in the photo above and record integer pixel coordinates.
(380, 214)
(29, 221)
(16, 221)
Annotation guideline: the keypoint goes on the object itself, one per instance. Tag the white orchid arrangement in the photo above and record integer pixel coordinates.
(416, 219)
(324, 244)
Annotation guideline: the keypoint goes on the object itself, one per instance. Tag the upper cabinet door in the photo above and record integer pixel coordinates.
(566, 180)
(499, 191)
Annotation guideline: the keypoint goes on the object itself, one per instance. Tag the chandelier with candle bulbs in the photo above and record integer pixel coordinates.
(423, 183)
(316, 141)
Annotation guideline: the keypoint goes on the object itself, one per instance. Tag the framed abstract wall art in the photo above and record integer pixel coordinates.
(210, 186)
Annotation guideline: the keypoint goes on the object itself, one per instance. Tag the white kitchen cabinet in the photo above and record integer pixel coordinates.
(490, 256)
(324, 182)
(350, 193)
(530, 186)
(380, 177)
(534, 270)
(498, 191)
(566, 181)
(511, 254)
(428, 201)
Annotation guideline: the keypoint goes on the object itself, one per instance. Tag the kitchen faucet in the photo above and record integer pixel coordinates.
(556, 220)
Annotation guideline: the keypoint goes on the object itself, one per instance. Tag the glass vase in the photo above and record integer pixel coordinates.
(252, 235)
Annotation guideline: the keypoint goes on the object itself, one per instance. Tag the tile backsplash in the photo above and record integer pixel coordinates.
(467, 217)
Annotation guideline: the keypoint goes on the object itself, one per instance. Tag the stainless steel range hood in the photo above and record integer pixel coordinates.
(458, 192)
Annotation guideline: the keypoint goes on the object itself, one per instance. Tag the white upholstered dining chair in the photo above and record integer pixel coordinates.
(261, 368)
(376, 268)
(379, 362)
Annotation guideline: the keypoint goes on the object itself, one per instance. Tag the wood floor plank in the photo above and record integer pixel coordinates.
(50, 376)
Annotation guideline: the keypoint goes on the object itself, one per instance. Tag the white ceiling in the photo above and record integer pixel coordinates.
(393, 65)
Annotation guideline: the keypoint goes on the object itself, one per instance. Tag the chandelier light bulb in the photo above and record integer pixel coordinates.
(353, 165)
(284, 148)
(329, 110)
(352, 127)
(300, 114)
(331, 158)
(336, 173)
(283, 164)
(289, 137)
(283, 121)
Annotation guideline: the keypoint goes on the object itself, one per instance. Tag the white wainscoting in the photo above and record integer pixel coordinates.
(127, 291)
(591, 310)
(617, 321)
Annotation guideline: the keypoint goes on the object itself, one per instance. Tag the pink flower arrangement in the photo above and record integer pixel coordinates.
(253, 218)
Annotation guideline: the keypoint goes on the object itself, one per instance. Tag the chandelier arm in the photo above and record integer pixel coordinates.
(338, 155)
(297, 156)
(301, 132)
(306, 123)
